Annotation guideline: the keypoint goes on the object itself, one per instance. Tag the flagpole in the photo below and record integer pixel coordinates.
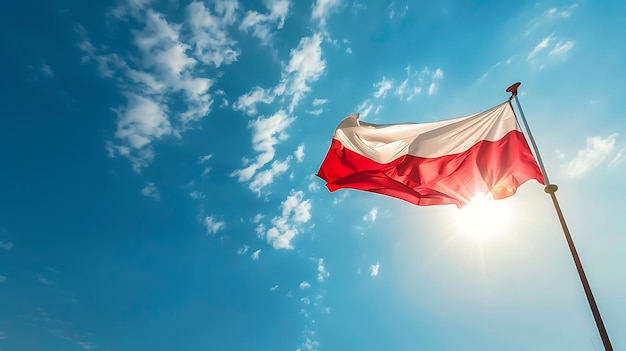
(551, 189)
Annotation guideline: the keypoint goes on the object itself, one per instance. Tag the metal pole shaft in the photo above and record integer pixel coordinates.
(551, 189)
(532, 140)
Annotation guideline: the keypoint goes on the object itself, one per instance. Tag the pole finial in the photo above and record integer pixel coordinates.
(513, 89)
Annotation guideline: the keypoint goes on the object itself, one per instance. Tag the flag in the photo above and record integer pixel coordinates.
(436, 163)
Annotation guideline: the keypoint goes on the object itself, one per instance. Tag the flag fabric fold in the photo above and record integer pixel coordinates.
(436, 163)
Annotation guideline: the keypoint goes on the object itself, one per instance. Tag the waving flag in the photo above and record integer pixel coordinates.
(444, 162)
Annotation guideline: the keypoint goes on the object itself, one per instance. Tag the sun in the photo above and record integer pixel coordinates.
(484, 219)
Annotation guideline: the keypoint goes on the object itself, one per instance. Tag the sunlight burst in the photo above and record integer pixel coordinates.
(484, 219)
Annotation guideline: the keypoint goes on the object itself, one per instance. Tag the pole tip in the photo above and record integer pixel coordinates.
(551, 188)
(513, 88)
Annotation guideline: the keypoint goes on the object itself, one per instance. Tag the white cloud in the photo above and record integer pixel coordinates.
(210, 32)
(162, 69)
(365, 108)
(597, 150)
(413, 84)
(619, 158)
(305, 285)
(305, 66)
(242, 250)
(435, 77)
(6, 246)
(318, 102)
(299, 153)
(213, 225)
(44, 281)
(374, 269)
(314, 187)
(266, 134)
(247, 102)
(2, 280)
(266, 177)
(141, 122)
(316, 112)
(255, 255)
(305, 300)
(197, 195)
(543, 44)
(382, 87)
(321, 10)
(262, 25)
(47, 70)
(205, 158)
(322, 273)
(257, 218)
(295, 212)
(274, 288)
(565, 13)
(371, 215)
(562, 48)
(309, 345)
(150, 190)
(341, 198)
(130, 7)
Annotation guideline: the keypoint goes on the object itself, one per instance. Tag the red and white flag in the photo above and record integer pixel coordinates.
(444, 162)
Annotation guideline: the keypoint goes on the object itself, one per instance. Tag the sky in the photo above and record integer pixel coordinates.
(158, 188)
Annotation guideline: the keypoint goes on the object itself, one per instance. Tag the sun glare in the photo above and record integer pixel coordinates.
(484, 219)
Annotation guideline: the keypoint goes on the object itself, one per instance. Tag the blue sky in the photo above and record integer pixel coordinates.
(157, 189)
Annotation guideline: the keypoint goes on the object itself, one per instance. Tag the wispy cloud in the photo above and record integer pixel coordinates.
(213, 225)
(3, 278)
(210, 31)
(242, 250)
(371, 215)
(435, 77)
(555, 48)
(318, 102)
(296, 211)
(322, 9)
(305, 285)
(299, 153)
(564, 13)
(47, 71)
(248, 101)
(313, 186)
(6, 246)
(309, 345)
(83, 342)
(548, 17)
(262, 25)
(594, 154)
(562, 48)
(267, 132)
(197, 195)
(150, 190)
(305, 66)
(322, 273)
(618, 158)
(41, 279)
(205, 158)
(256, 255)
(274, 288)
(382, 87)
(165, 65)
(374, 269)
(543, 44)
